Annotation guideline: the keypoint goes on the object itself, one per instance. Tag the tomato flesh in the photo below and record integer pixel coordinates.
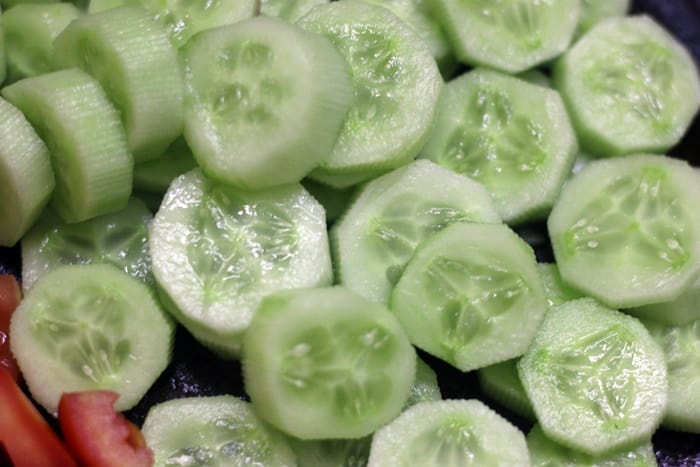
(10, 295)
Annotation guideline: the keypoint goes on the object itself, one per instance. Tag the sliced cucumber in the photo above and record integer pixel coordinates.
(90, 327)
(396, 82)
(595, 11)
(394, 213)
(326, 363)
(288, 10)
(501, 383)
(682, 310)
(629, 87)
(627, 232)
(26, 177)
(155, 176)
(451, 433)
(217, 251)
(332, 452)
(555, 289)
(265, 101)
(333, 200)
(512, 136)
(96, 6)
(89, 154)
(596, 379)
(425, 386)
(134, 62)
(119, 238)
(508, 35)
(213, 431)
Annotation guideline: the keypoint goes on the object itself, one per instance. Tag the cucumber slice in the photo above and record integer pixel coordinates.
(682, 310)
(217, 251)
(119, 238)
(288, 10)
(449, 434)
(627, 232)
(155, 176)
(629, 87)
(134, 62)
(396, 83)
(333, 200)
(326, 363)
(97, 6)
(425, 386)
(501, 383)
(213, 431)
(471, 295)
(681, 346)
(26, 177)
(265, 101)
(555, 289)
(596, 379)
(595, 11)
(89, 155)
(30, 30)
(536, 76)
(546, 453)
(90, 326)
(507, 35)
(513, 137)
(392, 215)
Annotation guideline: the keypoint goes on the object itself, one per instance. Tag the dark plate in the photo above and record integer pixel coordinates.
(195, 371)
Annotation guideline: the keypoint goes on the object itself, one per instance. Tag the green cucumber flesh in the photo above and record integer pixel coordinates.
(683, 309)
(288, 10)
(155, 176)
(555, 289)
(501, 383)
(595, 11)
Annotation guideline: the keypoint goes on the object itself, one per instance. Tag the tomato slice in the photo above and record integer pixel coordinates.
(98, 435)
(28, 439)
(10, 295)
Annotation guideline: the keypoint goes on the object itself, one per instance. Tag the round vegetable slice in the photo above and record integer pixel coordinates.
(595, 11)
(682, 310)
(501, 383)
(289, 10)
(555, 289)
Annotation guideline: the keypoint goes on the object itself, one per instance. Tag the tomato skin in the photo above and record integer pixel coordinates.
(28, 439)
(99, 436)
(10, 295)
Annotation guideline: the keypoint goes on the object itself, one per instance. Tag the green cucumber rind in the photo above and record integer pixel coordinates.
(501, 383)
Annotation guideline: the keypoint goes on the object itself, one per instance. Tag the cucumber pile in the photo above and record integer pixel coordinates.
(328, 192)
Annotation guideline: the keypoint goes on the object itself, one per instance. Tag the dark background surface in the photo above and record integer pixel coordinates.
(195, 371)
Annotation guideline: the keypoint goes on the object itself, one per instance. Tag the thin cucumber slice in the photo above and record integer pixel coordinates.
(629, 86)
(89, 154)
(511, 36)
(627, 231)
(513, 137)
(288, 10)
(392, 215)
(546, 453)
(155, 176)
(30, 30)
(681, 346)
(326, 363)
(90, 326)
(471, 295)
(595, 11)
(265, 101)
(26, 177)
(556, 290)
(425, 386)
(333, 200)
(216, 252)
(119, 238)
(396, 83)
(596, 378)
(213, 431)
(501, 383)
(450, 433)
(134, 62)
(682, 310)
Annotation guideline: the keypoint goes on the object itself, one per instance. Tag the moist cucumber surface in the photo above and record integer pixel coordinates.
(555, 289)
(683, 309)
(289, 10)
(595, 11)
(501, 383)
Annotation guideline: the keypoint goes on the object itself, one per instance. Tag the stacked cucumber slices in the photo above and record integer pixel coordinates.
(333, 194)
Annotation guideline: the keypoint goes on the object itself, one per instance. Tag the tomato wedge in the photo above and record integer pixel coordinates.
(10, 295)
(28, 439)
(99, 436)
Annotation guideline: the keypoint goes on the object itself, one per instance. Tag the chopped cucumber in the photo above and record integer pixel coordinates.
(265, 101)
(288, 10)
(596, 379)
(595, 11)
(682, 310)
(555, 289)
(326, 363)
(425, 386)
(90, 327)
(501, 383)
(155, 176)
(96, 6)
(333, 200)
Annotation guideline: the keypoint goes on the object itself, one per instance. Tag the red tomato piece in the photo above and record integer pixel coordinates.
(28, 439)
(99, 436)
(10, 295)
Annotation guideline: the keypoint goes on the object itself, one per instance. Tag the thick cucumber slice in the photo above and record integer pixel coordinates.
(119, 238)
(555, 289)
(595, 11)
(546, 453)
(213, 431)
(507, 35)
(265, 101)
(90, 327)
(627, 231)
(681, 346)
(326, 363)
(449, 434)
(26, 177)
(392, 215)
(89, 154)
(513, 137)
(396, 82)
(471, 295)
(629, 87)
(596, 379)
(217, 251)
(155, 176)
(501, 383)
(288, 10)
(30, 30)
(134, 62)
(425, 386)
(682, 310)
